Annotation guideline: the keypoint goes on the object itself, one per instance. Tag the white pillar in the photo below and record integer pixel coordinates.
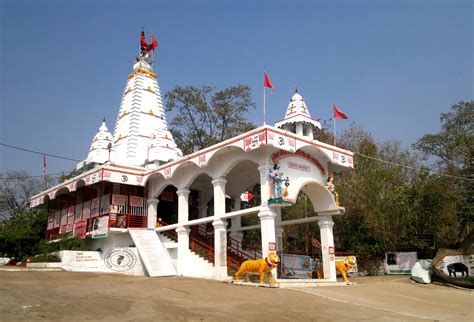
(202, 211)
(220, 233)
(237, 222)
(183, 205)
(278, 230)
(183, 232)
(152, 204)
(299, 129)
(220, 248)
(327, 244)
(267, 227)
(264, 170)
(309, 132)
(183, 248)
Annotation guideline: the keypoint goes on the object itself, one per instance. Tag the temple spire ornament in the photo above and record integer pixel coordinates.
(144, 59)
(297, 119)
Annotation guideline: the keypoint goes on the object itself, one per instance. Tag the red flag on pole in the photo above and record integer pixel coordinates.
(267, 82)
(338, 114)
(315, 242)
(154, 42)
(143, 43)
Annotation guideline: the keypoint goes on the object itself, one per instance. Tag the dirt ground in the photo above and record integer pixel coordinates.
(65, 296)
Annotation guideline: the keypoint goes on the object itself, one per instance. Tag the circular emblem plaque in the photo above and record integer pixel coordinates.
(120, 259)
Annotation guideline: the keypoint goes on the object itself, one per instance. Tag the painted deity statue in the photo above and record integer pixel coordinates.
(332, 188)
(275, 176)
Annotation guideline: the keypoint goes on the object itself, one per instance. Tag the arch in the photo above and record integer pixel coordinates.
(153, 176)
(167, 208)
(315, 152)
(60, 191)
(223, 161)
(79, 184)
(321, 199)
(242, 175)
(189, 175)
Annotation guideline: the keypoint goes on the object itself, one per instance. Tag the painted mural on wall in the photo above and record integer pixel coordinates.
(455, 267)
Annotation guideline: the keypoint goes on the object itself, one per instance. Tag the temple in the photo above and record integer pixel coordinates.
(142, 202)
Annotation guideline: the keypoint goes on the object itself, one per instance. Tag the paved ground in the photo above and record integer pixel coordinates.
(63, 296)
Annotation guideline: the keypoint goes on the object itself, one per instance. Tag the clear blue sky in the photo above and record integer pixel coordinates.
(391, 66)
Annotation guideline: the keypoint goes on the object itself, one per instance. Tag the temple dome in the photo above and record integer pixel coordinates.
(99, 151)
(162, 147)
(297, 118)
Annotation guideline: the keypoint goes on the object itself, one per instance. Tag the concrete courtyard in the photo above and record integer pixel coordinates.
(64, 296)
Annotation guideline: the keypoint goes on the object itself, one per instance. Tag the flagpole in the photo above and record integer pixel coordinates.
(334, 130)
(44, 172)
(264, 111)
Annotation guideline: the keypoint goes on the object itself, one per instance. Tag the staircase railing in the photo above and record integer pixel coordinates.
(202, 249)
(235, 246)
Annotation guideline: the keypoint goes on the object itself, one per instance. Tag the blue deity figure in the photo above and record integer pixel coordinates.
(275, 177)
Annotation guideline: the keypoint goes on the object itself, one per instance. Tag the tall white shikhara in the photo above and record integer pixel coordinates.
(141, 136)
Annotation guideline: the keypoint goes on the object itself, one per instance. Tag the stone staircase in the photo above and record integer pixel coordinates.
(152, 252)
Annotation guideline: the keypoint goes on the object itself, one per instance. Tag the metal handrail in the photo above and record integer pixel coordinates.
(203, 249)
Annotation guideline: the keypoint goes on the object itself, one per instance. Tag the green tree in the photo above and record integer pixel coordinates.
(21, 232)
(20, 227)
(453, 152)
(16, 189)
(205, 117)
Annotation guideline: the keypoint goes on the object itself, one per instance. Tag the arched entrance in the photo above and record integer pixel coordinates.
(323, 208)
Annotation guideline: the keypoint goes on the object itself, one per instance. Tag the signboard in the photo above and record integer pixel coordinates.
(400, 263)
(136, 201)
(295, 266)
(272, 246)
(119, 200)
(80, 229)
(246, 196)
(100, 227)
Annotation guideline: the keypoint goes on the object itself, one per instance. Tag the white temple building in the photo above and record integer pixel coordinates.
(140, 175)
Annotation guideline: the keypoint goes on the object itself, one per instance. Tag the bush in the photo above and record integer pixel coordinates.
(46, 258)
(72, 243)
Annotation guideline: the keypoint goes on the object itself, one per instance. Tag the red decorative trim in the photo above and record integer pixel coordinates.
(266, 130)
(313, 143)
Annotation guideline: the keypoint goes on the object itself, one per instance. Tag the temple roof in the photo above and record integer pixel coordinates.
(297, 111)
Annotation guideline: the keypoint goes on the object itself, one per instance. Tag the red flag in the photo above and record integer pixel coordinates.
(143, 43)
(154, 42)
(315, 242)
(338, 114)
(267, 82)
